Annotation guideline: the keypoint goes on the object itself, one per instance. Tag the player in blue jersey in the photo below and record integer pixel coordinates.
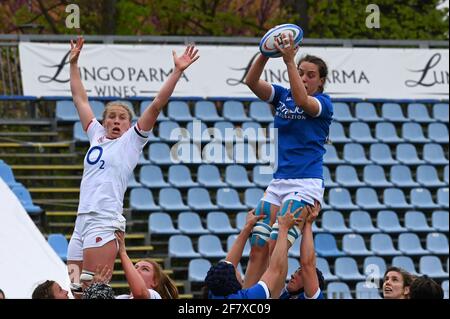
(307, 282)
(303, 115)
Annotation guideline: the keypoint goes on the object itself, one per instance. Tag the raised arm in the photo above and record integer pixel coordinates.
(79, 95)
(261, 88)
(148, 118)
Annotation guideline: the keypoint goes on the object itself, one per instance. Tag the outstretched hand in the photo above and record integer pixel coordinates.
(120, 236)
(251, 218)
(288, 50)
(184, 61)
(75, 49)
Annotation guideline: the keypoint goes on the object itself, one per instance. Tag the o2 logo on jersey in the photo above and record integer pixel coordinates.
(94, 155)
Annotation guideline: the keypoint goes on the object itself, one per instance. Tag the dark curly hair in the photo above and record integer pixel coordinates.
(221, 279)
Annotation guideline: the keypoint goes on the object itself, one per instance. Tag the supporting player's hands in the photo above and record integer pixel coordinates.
(184, 61)
(75, 49)
(288, 50)
(251, 219)
(313, 212)
(120, 236)
(288, 220)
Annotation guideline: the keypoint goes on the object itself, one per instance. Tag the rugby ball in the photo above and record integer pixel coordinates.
(267, 43)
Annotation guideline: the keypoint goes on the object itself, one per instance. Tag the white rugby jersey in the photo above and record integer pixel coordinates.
(108, 165)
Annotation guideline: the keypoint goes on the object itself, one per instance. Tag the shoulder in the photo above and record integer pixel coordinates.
(154, 294)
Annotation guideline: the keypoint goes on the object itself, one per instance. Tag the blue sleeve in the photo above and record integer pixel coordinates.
(255, 292)
(277, 93)
(327, 106)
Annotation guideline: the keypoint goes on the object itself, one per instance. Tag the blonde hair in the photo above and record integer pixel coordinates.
(121, 104)
(164, 284)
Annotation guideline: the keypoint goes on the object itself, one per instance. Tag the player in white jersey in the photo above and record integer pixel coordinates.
(114, 151)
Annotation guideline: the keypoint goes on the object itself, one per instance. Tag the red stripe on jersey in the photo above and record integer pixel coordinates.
(89, 124)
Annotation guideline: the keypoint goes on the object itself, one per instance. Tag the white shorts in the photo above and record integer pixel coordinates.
(307, 189)
(93, 230)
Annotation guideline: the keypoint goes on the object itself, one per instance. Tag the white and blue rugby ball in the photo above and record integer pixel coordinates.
(267, 44)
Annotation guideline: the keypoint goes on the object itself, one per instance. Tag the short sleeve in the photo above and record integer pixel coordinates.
(277, 92)
(94, 130)
(326, 107)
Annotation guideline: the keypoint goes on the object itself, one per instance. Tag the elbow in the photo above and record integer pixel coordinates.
(141, 294)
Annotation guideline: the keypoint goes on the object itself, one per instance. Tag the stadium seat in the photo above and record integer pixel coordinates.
(206, 111)
(261, 112)
(394, 198)
(170, 131)
(347, 269)
(392, 112)
(7, 175)
(438, 133)
(440, 112)
(267, 153)
(346, 176)
(442, 197)
(152, 177)
(209, 176)
(407, 154)
(333, 222)
(191, 224)
(338, 290)
(374, 267)
(263, 180)
(366, 112)
(294, 250)
(198, 131)
(236, 176)
(386, 132)
(226, 132)
(141, 199)
(180, 177)
(416, 222)
(354, 154)
(440, 220)
(170, 200)
(446, 174)
(382, 245)
(159, 154)
(367, 290)
(421, 199)
(406, 263)
(388, 222)
(197, 270)
(413, 133)
(374, 176)
(234, 111)
(198, 199)
(59, 244)
(417, 112)
(132, 182)
(218, 223)
(367, 199)
(179, 111)
(340, 199)
(434, 154)
(401, 177)
(337, 134)
(215, 153)
(381, 154)
(331, 157)
(142, 160)
(432, 267)
(360, 133)
(341, 112)
(444, 286)
(326, 246)
(161, 117)
(361, 222)
(180, 246)
(67, 112)
(437, 243)
(240, 220)
(25, 199)
(293, 265)
(230, 241)
(186, 153)
(252, 196)
(324, 267)
(327, 178)
(244, 153)
(161, 224)
(79, 135)
(354, 245)
(252, 132)
(209, 246)
(228, 199)
(409, 244)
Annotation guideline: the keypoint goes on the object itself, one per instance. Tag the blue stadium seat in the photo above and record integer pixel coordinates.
(386, 132)
(141, 199)
(354, 154)
(382, 245)
(252, 132)
(340, 199)
(327, 178)
(444, 286)
(79, 135)
(421, 199)
(409, 244)
(432, 267)
(244, 153)
(446, 174)
(180, 177)
(388, 222)
(225, 132)
(152, 177)
(161, 116)
(161, 224)
(375, 267)
(186, 153)
(413, 133)
(240, 220)
(7, 175)
(197, 270)
(437, 243)
(142, 160)
(236, 176)
(324, 267)
(179, 111)
(326, 245)
(132, 182)
(261, 112)
(333, 222)
(366, 112)
(367, 199)
(170, 200)
(347, 269)
(361, 222)
(331, 157)
(266, 153)
(434, 154)
(354, 245)
(438, 133)
(416, 222)
(337, 134)
(338, 290)
(252, 196)
(392, 112)
(440, 112)
(190, 223)
(294, 250)
(374, 176)
(228, 199)
(293, 265)
(219, 223)
(360, 133)
(170, 131)
(66, 111)
(209, 246)
(394, 198)
(180, 246)
(198, 131)
(215, 153)
(25, 199)
(417, 112)
(381, 154)
(206, 111)
(59, 244)
(209, 176)
(341, 112)
(230, 241)
(198, 199)
(406, 263)
(401, 177)
(159, 153)
(439, 220)
(367, 290)
(347, 177)
(261, 179)
(234, 111)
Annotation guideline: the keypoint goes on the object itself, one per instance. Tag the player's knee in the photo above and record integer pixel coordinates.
(296, 204)
(260, 234)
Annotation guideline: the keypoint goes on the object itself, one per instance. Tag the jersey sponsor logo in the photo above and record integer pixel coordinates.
(94, 155)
